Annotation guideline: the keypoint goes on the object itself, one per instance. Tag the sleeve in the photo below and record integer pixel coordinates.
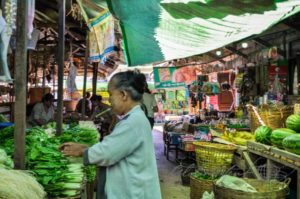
(37, 112)
(119, 144)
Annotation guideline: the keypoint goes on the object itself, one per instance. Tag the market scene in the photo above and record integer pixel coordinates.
(149, 99)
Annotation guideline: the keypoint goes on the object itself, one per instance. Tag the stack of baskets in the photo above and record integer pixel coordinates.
(212, 159)
(272, 116)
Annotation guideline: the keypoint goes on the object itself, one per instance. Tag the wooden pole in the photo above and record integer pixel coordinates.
(61, 59)
(20, 85)
(85, 77)
(95, 73)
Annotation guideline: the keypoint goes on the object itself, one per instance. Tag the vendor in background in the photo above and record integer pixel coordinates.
(150, 103)
(88, 105)
(43, 112)
(128, 152)
(102, 115)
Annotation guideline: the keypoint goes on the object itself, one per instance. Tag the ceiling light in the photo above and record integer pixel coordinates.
(218, 53)
(245, 45)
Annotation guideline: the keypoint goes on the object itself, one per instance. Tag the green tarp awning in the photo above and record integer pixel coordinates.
(155, 30)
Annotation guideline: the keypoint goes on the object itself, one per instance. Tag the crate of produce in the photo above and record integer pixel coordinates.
(265, 189)
(213, 158)
(200, 183)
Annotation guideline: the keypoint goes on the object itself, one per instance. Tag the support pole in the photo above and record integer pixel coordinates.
(95, 73)
(20, 85)
(85, 77)
(61, 58)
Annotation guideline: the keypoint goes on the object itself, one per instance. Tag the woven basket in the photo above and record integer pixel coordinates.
(199, 186)
(274, 117)
(212, 158)
(266, 190)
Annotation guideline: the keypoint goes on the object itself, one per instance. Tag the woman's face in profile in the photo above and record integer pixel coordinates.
(115, 98)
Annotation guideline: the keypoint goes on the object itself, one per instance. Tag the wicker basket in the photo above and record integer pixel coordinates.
(212, 158)
(274, 117)
(266, 190)
(199, 186)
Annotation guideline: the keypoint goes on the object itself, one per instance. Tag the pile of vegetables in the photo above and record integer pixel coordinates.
(77, 134)
(3, 118)
(51, 167)
(283, 138)
(83, 135)
(202, 176)
(5, 161)
(17, 184)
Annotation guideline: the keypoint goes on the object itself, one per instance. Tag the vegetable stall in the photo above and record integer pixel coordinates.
(59, 175)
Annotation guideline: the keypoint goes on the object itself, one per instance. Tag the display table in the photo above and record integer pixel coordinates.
(171, 143)
(273, 154)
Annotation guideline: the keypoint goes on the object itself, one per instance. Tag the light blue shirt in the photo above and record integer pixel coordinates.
(128, 153)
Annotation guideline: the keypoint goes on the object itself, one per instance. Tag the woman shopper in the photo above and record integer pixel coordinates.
(128, 151)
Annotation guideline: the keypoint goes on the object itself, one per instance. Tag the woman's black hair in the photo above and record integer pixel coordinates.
(132, 82)
(47, 97)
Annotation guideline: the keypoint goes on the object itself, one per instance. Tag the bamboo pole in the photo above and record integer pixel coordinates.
(95, 73)
(61, 58)
(85, 77)
(20, 85)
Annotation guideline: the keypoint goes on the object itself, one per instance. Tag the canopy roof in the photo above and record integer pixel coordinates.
(156, 30)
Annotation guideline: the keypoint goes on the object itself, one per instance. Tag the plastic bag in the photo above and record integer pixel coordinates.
(235, 183)
(207, 195)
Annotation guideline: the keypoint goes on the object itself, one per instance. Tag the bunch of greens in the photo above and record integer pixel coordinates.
(43, 157)
(77, 134)
(203, 176)
(3, 118)
(81, 135)
(5, 161)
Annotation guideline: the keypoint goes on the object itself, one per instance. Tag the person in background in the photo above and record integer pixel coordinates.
(128, 152)
(150, 103)
(88, 105)
(43, 112)
(102, 115)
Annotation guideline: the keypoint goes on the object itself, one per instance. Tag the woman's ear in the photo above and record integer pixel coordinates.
(124, 95)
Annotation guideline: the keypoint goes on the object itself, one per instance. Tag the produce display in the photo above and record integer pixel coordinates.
(15, 184)
(263, 134)
(278, 135)
(238, 137)
(292, 143)
(293, 122)
(51, 168)
(203, 176)
(3, 118)
(5, 160)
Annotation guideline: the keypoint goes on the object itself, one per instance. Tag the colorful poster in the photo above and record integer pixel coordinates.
(170, 77)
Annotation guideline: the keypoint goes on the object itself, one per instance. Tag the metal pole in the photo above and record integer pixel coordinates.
(95, 73)
(20, 85)
(85, 76)
(61, 58)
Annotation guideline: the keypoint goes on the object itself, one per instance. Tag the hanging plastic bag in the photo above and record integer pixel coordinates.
(71, 80)
(207, 195)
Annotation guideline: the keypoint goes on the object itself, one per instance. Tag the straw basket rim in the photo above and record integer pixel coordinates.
(218, 146)
(284, 184)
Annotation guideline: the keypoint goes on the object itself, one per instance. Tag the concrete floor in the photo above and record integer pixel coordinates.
(170, 181)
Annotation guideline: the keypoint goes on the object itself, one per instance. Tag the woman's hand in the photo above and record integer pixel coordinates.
(73, 149)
